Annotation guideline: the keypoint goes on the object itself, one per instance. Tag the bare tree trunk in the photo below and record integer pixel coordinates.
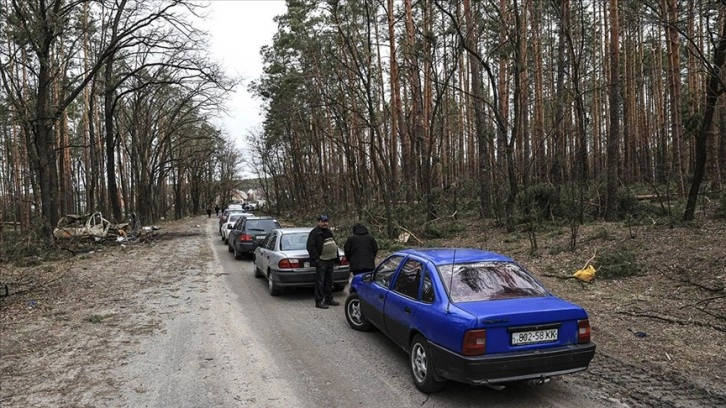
(538, 160)
(613, 141)
(674, 89)
(395, 95)
(477, 92)
(109, 95)
(712, 93)
(557, 172)
(89, 151)
(415, 123)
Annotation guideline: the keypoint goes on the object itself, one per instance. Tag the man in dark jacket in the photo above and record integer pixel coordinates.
(361, 249)
(323, 253)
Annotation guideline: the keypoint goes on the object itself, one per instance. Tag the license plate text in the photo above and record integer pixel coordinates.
(535, 336)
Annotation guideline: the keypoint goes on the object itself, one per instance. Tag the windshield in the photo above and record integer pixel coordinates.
(294, 241)
(489, 281)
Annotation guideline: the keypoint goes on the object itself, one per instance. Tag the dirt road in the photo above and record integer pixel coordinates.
(177, 322)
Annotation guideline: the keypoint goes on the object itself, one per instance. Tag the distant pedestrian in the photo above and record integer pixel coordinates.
(323, 253)
(216, 209)
(209, 212)
(361, 250)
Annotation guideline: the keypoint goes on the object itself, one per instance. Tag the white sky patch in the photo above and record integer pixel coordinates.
(238, 29)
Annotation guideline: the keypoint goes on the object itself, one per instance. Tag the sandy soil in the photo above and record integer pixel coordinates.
(660, 335)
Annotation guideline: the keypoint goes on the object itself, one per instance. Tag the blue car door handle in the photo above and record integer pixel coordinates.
(407, 310)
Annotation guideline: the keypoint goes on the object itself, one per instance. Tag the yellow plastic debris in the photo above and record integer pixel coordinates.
(586, 275)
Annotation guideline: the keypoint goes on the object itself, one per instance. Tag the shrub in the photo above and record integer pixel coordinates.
(540, 201)
(602, 234)
(618, 262)
(556, 250)
(443, 228)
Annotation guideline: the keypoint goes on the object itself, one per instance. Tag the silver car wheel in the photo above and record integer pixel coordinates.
(422, 370)
(271, 287)
(419, 367)
(354, 312)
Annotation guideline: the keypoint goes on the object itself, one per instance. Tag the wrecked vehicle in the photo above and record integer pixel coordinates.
(87, 225)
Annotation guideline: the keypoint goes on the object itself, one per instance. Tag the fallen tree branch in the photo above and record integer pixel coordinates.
(592, 258)
(674, 320)
(552, 275)
(410, 233)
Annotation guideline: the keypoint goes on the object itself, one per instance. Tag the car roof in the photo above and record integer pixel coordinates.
(293, 230)
(236, 215)
(442, 256)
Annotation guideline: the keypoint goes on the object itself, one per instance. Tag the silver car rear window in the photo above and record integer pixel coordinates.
(294, 241)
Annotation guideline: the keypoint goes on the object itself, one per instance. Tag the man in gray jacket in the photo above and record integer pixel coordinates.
(323, 253)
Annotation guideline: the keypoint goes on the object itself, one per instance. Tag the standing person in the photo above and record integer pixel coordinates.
(361, 249)
(216, 210)
(209, 212)
(323, 252)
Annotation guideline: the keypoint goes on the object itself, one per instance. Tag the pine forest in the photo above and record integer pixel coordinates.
(518, 111)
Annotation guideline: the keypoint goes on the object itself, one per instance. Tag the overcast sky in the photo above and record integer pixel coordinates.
(238, 29)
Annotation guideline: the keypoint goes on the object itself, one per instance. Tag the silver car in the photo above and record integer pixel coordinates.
(283, 259)
(231, 219)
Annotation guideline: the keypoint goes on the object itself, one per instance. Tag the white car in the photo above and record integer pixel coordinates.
(227, 225)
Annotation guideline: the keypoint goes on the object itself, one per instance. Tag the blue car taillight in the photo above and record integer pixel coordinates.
(583, 331)
(475, 342)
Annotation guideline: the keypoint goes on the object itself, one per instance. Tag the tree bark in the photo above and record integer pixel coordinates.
(713, 91)
(613, 140)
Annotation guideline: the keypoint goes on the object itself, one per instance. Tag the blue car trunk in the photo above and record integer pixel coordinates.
(525, 324)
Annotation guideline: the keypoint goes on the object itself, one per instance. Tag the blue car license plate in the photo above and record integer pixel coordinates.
(535, 336)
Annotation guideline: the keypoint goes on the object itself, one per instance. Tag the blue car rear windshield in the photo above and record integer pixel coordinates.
(489, 281)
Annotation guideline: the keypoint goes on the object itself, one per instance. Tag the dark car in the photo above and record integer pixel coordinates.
(470, 316)
(248, 233)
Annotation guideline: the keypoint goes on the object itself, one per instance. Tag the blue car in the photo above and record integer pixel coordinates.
(470, 316)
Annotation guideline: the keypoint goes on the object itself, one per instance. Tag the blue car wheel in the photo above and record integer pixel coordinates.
(422, 370)
(354, 314)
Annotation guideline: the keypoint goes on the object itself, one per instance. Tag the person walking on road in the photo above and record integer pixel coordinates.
(361, 250)
(216, 209)
(323, 253)
(209, 212)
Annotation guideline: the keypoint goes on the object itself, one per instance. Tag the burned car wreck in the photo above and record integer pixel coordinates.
(87, 226)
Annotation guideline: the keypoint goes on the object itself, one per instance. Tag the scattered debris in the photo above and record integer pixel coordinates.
(586, 274)
(638, 334)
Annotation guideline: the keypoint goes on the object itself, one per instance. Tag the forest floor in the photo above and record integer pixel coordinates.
(660, 334)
